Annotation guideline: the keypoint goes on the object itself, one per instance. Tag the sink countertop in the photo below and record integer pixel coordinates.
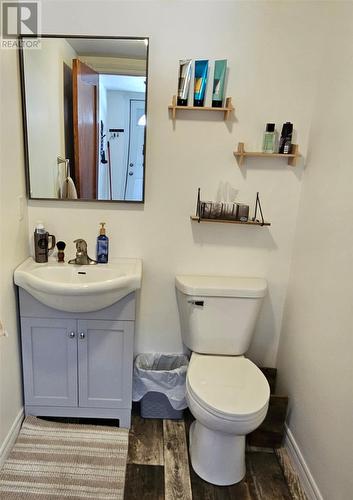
(75, 288)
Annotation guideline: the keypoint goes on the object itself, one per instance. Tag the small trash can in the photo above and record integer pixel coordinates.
(159, 382)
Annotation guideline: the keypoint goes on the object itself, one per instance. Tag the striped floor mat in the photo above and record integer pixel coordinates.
(53, 461)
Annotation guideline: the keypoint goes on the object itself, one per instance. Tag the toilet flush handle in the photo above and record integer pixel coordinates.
(196, 302)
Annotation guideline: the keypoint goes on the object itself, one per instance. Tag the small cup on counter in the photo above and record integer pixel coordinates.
(216, 210)
(242, 212)
(205, 209)
(229, 211)
(219, 210)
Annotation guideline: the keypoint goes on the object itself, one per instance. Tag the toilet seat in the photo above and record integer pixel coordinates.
(229, 387)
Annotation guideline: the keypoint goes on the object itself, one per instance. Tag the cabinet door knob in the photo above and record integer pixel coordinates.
(72, 335)
(82, 335)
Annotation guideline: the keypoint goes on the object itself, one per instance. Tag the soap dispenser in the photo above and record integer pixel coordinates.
(102, 245)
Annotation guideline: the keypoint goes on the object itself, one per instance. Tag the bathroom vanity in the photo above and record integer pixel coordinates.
(78, 364)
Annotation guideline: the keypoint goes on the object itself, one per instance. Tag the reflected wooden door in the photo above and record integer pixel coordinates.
(85, 86)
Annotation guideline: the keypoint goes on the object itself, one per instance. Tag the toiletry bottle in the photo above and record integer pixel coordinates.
(201, 70)
(102, 245)
(184, 82)
(285, 142)
(41, 243)
(219, 76)
(269, 142)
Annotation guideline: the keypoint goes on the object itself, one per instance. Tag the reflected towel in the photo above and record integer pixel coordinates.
(68, 189)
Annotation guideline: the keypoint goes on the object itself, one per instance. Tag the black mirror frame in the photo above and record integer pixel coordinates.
(24, 113)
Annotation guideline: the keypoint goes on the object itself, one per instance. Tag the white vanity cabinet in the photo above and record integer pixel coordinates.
(49, 359)
(78, 365)
(105, 354)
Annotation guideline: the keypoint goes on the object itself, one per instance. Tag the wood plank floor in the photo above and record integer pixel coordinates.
(159, 468)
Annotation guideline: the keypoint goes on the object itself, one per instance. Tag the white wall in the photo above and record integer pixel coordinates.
(272, 50)
(315, 361)
(45, 113)
(14, 238)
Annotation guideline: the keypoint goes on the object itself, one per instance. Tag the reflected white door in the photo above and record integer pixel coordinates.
(134, 178)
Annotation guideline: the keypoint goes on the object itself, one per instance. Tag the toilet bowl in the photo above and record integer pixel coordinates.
(228, 396)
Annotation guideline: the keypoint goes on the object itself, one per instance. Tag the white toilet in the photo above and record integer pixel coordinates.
(227, 394)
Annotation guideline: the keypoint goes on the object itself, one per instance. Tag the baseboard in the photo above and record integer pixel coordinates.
(298, 462)
(11, 437)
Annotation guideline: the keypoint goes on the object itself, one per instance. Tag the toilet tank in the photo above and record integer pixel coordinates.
(218, 313)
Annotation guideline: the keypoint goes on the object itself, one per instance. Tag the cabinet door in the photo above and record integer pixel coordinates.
(49, 350)
(105, 356)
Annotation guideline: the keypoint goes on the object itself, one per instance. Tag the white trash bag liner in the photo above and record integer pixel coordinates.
(165, 373)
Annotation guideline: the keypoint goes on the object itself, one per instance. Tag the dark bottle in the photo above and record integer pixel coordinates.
(285, 142)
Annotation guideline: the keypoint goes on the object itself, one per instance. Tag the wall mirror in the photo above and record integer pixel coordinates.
(84, 113)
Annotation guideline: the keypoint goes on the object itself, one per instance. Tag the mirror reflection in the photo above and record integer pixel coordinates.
(85, 118)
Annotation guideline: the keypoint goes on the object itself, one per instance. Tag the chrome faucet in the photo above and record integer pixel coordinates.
(82, 258)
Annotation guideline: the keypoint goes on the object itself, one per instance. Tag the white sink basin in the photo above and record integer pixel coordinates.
(74, 288)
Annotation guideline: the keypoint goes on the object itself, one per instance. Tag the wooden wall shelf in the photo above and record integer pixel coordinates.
(228, 221)
(227, 109)
(241, 154)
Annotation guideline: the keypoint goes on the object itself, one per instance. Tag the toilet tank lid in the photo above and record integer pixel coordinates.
(221, 286)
